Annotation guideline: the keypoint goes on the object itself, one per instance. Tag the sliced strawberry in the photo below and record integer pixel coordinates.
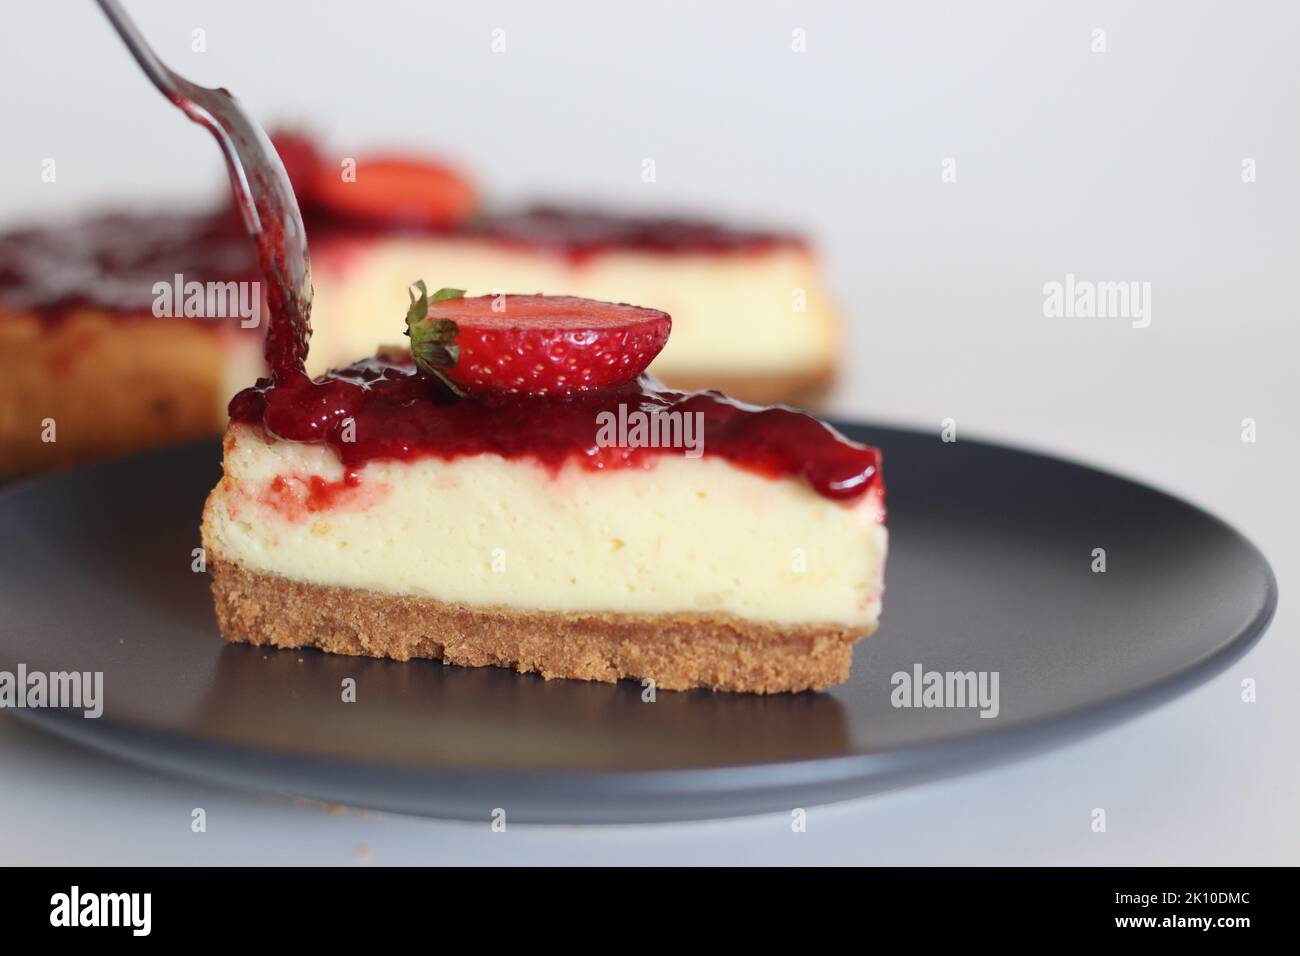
(394, 191)
(532, 344)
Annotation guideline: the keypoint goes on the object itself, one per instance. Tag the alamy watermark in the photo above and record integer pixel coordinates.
(129, 910)
(637, 428)
(1085, 299)
(71, 690)
(209, 300)
(958, 689)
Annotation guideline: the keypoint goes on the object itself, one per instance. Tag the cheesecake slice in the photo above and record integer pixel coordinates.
(514, 491)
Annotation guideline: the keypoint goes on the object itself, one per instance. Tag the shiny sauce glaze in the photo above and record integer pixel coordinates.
(385, 409)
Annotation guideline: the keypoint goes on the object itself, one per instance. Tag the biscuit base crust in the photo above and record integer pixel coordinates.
(676, 651)
(109, 384)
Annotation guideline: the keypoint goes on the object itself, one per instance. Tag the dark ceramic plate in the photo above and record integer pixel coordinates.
(990, 571)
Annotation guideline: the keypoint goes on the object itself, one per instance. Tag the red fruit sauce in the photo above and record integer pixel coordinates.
(296, 496)
(393, 412)
(112, 262)
(288, 330)
(578, 233)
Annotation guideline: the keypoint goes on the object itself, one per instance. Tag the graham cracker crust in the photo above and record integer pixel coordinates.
(110, 384)
(676, 651)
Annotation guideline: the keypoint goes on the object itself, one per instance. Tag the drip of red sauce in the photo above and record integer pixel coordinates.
(385, 409)
(288, 330)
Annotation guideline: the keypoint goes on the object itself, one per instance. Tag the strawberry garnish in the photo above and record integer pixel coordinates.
(301, 161)
(395, 191)
(531, 344)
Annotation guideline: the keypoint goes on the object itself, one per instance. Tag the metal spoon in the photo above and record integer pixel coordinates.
(257, 175)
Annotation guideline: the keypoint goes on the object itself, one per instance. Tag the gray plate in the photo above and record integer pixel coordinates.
(990, 570)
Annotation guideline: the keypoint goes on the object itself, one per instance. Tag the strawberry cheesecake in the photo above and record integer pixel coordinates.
(512, 489)
(95, 361)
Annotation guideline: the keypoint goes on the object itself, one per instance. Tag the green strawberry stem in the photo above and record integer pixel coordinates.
(433, 341)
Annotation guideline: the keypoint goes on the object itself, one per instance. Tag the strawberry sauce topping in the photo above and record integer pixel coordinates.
(580, 232)
(390, 410)
(113, 262)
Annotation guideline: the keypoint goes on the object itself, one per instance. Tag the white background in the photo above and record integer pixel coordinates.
(1122, 165)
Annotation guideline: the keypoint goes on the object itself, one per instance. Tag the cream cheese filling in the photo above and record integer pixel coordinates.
(686, 535)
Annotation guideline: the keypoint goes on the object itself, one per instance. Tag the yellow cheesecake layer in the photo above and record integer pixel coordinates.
(685, 535)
